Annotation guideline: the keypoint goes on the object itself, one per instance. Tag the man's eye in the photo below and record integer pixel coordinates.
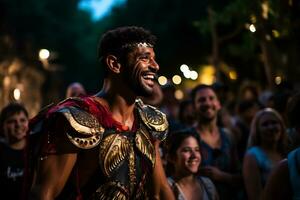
(186, 149)
(10, 121)
(144, 57)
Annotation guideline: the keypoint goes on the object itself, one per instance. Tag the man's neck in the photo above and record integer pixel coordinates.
(207, 128)
(19, 145)
(119, 101)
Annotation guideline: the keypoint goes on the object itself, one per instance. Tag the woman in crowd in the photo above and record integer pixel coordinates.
(267, 145)
(184, 158)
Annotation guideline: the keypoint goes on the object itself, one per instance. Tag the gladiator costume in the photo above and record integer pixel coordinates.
(126, 158)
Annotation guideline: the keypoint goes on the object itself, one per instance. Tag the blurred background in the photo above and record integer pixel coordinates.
(47, 44)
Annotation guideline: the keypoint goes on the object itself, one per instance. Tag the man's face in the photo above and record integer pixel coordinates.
(140, 70)
(15, 127)
(206, 104)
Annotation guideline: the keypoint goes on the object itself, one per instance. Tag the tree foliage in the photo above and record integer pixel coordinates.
(192, 32)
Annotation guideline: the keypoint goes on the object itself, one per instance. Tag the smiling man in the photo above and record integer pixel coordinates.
(106, 146)
(13, 126)
(219, 156)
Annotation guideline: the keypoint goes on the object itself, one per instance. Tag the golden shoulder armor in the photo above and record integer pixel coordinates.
(89, 131)
(154, 119)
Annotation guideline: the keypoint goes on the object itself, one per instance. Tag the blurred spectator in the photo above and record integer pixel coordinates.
(280, 99)
(170, 106)
(249, 91)
(246, 110)
(14, 126)
(75, 89)
(186, 114)
(293, 112)
(170, 103)
(267, 146)
(219, 156)
(266, 99)
(284, 182)
(184, 159)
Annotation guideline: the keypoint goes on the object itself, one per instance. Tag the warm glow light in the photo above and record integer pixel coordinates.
(265, 9)
(278, 80)
(187, 74)
(176, 79)
(207, 75)
(268, 37)
(232, 75)
(178, 94)
(6, 81)
(184, 68)
(162, 80)
(194, 75)
(275, 33)
(253, 18)
(44, 54)
(252, 28)
(17, 94)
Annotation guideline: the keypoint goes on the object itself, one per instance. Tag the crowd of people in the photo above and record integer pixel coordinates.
(132, 141)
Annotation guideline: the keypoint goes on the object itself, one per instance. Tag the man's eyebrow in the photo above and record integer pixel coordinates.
(146, 53)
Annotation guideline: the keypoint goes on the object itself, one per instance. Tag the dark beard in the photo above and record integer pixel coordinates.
(204, 120)
(136, 85)
(140, 91)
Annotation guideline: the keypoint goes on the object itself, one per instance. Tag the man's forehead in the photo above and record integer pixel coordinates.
(144, 50)
(206, 92)
(16, 114)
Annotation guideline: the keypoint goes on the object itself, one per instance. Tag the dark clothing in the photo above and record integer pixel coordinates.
(11, 172)
(225, 159)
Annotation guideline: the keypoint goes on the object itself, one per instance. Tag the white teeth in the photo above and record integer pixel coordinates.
(149, 76)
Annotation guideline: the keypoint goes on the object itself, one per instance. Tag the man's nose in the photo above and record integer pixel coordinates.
(154, 65)
(18, 123)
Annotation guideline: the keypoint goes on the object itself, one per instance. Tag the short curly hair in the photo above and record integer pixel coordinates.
(115, 42)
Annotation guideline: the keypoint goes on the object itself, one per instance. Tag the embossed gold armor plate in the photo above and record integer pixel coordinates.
(113, 151)
(88, 133)
(154, 119)
(144, 144)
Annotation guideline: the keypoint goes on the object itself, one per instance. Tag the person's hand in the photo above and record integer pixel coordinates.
(212, 172)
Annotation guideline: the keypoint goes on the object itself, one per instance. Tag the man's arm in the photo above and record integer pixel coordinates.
(161, 187)
(52, 174)
(278, 185)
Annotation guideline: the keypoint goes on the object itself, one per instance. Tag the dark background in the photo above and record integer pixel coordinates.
(192, 32)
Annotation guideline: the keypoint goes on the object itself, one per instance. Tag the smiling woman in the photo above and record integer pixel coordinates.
(99, 8)
(183, 161)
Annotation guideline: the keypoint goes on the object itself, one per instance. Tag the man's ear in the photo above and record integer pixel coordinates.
(113, 64)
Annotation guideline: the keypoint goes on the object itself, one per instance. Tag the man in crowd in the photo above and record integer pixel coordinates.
(106, 146)
(13, 126)
(219, 156)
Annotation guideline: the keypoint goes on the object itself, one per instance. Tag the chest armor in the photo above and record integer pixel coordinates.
(126, 158)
